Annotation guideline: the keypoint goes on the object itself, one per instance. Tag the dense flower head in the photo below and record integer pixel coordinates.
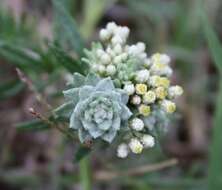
(126, 89)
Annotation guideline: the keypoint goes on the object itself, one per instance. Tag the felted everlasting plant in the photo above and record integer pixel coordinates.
(125, 91)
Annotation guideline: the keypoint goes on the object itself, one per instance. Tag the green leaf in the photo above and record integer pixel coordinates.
(10, 88)
(71, 64)
(65, 110)
(20, 56)
(66, 29)
(32, 125)
(213, 42)
(81, 153)
(215, 164)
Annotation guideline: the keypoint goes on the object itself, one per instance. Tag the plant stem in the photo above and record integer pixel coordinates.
(85, 173)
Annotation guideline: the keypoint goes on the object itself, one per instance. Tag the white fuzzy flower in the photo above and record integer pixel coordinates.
(110, 51)
(116, 40)
(129, 88)
(175, 91)
(136, 100)
(122, 150)
(165, 59)
(168, 106)
(153, 80)
(117, 59)
(142, 75)
(111, 70)
(124, 32)
(117, 49)
(133, 50)
(148, 141)
(124, 56)
(136, 146)
(137, 124)
(160, 69)
(105, 59)
(141, 46)
(160, 58)
(149, 97)
(142, 56)
(104, 34)
(101, 69)
(111, 27)
(99, 52)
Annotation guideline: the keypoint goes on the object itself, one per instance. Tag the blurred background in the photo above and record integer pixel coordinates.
(34, 157)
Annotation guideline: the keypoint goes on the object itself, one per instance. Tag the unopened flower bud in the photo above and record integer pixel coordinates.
(122, 150)
(168, 106)
(104, 34)
(148, 141)
(129, 89)
(111, 70)
(136, 146)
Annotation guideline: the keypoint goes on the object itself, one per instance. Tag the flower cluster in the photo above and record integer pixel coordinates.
(125, 92)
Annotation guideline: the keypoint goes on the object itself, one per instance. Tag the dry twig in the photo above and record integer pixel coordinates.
(109, 175)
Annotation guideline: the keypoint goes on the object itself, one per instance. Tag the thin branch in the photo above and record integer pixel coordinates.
(50, 123)
(109, 175)
(32, 88)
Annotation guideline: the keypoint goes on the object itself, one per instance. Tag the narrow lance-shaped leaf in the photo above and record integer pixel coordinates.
(65, 28)
(67, 61)
(32, 125)
(215, 164)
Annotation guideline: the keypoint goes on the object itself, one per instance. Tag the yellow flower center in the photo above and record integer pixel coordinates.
(144, 110)
(161, 92)
(141, 89)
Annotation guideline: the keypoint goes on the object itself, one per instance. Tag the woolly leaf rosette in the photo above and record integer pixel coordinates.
(99, 109)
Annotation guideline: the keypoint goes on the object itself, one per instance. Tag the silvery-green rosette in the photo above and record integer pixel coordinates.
(126, 90)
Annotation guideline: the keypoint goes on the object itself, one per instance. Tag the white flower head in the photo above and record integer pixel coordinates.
(105, 58)
(111, 27)
(117, 59)
(117, 49)
(149, 97)
(160, 58)
(122, 150)
(104, 34)
(168, 106)
(136, 146)
(111, 70)
(142, 76)
(101, 69)
(137, 124)
(116, 40)
(148, 141)
(129, 88)
(175, 91)
(141, 46)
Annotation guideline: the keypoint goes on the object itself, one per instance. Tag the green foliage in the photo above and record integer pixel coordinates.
(33, 125)
(71, 64)
(10, 88)
(215, 165)
(66, 32)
